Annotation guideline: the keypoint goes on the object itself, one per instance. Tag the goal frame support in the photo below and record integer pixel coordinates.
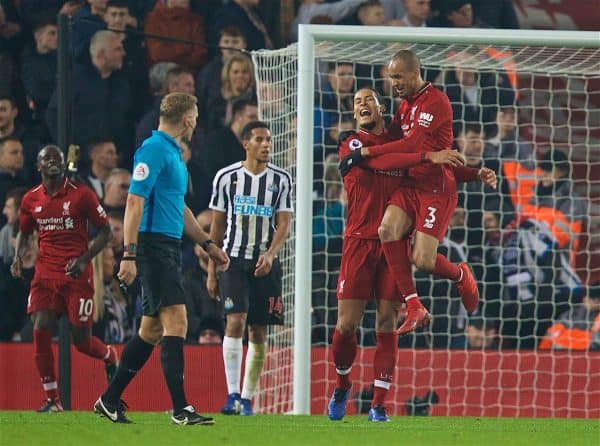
(309, 35)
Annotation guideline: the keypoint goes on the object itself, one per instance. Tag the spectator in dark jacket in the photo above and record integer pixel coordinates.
(178, 80)
(102, 99)
(87, 21)
(210, 75)
(38, 66)
(242, 14)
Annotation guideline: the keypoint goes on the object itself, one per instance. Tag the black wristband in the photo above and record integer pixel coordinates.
(129, 258)
(206, 243)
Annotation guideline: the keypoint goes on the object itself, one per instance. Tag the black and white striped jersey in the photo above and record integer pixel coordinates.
(250, 203)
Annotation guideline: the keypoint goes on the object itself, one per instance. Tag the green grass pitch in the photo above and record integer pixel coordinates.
(86, 428)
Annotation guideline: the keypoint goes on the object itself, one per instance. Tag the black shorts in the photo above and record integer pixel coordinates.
(260, 297)
(159, 271)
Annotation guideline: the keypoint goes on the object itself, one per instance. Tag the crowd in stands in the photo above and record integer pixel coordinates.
(520, 238)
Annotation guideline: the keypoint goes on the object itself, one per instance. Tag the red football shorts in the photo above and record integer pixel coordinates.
(430, 213)
(364, 273)
(74, 297)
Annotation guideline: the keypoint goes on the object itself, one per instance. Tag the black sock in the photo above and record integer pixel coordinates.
(171, 358)
(135, 354)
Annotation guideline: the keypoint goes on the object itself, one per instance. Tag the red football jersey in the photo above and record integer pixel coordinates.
(62, 224)
(423, 123)
(368, 190)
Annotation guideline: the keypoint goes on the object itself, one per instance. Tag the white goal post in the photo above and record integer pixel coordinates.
(391, 40)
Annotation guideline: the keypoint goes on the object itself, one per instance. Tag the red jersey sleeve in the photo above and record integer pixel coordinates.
(465, 173)
(93, 210)
(27, 223)
(432, 114)
(393, 161)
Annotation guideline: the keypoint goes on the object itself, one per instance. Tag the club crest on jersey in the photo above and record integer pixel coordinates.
(37, 209)
(66, 206)
(355, 144)
(141, 172)
(273, 188)
(425, 119)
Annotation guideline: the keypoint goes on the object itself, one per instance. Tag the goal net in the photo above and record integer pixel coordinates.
(530, 112)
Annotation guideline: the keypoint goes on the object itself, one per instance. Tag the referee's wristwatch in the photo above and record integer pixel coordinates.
(205, 244)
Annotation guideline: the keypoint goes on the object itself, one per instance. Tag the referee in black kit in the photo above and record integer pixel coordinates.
(252, 213)
(156, 209)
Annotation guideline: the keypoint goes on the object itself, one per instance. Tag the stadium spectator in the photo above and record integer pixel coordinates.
(174, 19)
(135, 67)
(538, 256)
(102, 100)
(243, 15)
(177, 80)
(394, 10)
(497, 14)
(506, 143)
(209, 77)
(38, 67)
(417, 13)
(87, 21)
(61, 211)
(334, 103)
(327, 229)
(211, 331)
(115, 190)
(11, 168)
(193, 197)
(371, 13)
(157, 75)
(13, 128)
(200, 307)
(577, 328)
(115, 218)
(31, 11)
(475, 96)
(111, 318)
(228, 139)
(336, 11)
(237, 82)
(103, 159)
(455, 13)
(481, 333)
(251, 286)
(13, 293)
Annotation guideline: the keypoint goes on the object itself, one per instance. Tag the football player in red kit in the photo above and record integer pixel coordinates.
(364, 273)
(427, 199)
(60, 210)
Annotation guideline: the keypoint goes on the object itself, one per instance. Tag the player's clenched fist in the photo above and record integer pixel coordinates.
(488, 177)
(451, 157)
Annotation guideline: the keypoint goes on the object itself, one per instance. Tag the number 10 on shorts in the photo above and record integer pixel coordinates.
(430, 220)
(86, 306)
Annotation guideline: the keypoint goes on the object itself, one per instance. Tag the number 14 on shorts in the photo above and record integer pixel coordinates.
(430, 220)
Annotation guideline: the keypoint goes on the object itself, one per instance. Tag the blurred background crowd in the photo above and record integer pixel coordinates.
(522, 253)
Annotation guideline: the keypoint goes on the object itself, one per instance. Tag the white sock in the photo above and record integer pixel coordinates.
(255, 359)
(232, 358)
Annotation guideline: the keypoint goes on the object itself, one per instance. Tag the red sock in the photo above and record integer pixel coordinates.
(384, 363)
(44, 359)
(344, 351)
(398, 260)
(445, 268)
(95, 348)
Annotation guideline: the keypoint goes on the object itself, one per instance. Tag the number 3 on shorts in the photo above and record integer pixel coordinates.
(429, 221)
(85, 309)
